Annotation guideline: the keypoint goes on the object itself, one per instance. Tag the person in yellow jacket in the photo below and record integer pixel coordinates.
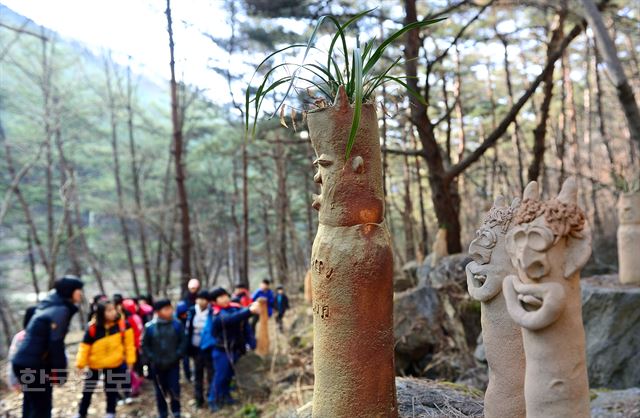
(108, 348)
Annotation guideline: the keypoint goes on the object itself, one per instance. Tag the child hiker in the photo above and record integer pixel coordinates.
(232, 334)
(164, 344)
(107, 348)
(196, 321)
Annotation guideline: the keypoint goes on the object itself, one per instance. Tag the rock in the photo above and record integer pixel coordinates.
(417, 317)
(436, 327)
(252, 376)
(615, 403)
(611, 317)
(427, 398)
(450, 271)
(408, 278)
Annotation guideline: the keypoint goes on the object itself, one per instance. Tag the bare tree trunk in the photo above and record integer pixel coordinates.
(165, 208)
(604, 136)
(111, 103)
(540, 132)
(267, 239)
(23, 203)
(407, 214)
(423, 248)
(178, 149)
(282, 201)
(515, 137)
(5, 314)
(65, 170)
(244, 271)
(169, 254)
(607, 49)
(597, 223)
(32, 266)
(135, 175)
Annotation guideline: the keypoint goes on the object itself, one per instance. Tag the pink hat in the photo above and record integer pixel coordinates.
(193, 284)
(145, 309)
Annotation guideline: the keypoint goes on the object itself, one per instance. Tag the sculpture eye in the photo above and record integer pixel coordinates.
(539, 239)
(323, 161)
(486, 238)
(519, 237)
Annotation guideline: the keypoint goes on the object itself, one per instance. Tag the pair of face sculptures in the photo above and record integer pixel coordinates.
(529, 250)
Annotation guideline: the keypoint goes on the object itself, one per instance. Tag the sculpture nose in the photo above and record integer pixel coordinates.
(534, 263)
(478, 253)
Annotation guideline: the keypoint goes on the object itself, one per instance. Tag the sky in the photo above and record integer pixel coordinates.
(138, 28)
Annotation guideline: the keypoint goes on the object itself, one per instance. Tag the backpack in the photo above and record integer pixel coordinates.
(93, 329)
(176, 326)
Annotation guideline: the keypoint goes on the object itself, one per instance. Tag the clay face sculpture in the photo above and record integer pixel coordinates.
(629, 238)
(502, 337)
(351, 270)
(548, 246)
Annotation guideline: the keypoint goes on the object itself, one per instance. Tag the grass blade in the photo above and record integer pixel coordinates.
(357, 108)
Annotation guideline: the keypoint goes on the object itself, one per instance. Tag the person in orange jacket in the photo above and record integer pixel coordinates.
(107, 348)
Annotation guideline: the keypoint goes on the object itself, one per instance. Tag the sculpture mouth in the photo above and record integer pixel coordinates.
(530, 303)
(317, 199)
(479, 279)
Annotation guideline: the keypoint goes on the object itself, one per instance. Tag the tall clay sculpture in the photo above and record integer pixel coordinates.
(548, 246)
(501, 336)
(352, 270)
(629, 238)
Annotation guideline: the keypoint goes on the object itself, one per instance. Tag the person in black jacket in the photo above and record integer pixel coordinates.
(40, 361)
(164, 344)
(282, 305)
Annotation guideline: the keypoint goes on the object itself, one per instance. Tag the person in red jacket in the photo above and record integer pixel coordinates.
(135, 321)
(241, 295)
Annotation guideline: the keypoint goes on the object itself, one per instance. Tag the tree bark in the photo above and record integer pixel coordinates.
(32, 266)
(607, 49)
(113, 119)
(267, 239)
(540, 132)
(137, 193)
(178, 150)
(282, 202)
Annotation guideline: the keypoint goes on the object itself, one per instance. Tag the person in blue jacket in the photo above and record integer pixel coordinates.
(263, 292)
(41, 362)
(231, 337)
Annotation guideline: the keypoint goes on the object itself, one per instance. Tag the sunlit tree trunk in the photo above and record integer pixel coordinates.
(178, 150)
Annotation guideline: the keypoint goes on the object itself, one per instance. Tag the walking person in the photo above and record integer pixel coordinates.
(182, 311)
(232, 335)
(264, 291)
(202, 360)
(107, 349)
(41, 362)
(163, 345)
(281, 305)
(241, 295)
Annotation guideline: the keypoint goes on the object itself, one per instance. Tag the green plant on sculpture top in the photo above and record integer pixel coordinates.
(357, 74)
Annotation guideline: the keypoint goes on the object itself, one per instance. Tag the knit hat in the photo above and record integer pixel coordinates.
(66, 285)
(216, 293)
(203, 294)
(182, 308)
(161, 303)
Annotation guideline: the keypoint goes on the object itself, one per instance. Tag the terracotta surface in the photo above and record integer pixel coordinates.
(308, 292)
(262, 329)
(501, 336)
(352, 270)
(439, 248)
(549, 245)
(629, 238)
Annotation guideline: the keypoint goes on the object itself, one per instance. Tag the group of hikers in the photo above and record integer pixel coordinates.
(128, 340)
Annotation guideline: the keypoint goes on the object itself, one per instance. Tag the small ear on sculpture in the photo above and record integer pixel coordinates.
(532, 191)
(578, 251)
(358, 164)
(499, 202)
(569, 191)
